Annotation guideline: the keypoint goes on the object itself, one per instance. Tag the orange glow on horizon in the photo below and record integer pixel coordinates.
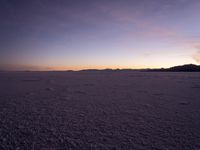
(64, 68)
(77, 68)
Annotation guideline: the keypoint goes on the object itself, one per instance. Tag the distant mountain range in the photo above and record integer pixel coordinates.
(182, 68)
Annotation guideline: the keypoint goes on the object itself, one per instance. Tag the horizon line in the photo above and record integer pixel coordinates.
(48, 69)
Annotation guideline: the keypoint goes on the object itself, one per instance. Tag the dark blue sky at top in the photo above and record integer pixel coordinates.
(99, 33)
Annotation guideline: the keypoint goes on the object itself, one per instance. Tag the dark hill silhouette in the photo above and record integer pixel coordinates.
(188, 67)
(182, 68)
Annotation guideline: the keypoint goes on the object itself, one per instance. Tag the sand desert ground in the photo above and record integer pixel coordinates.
(99, 110)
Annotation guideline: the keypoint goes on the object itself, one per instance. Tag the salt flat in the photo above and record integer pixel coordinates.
(99, 110)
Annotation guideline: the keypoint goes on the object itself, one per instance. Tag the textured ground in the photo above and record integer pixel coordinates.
(99, 110)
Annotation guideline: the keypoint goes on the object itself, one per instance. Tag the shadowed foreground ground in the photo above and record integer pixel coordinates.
(99, 110)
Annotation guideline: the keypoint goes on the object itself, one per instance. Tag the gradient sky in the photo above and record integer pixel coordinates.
(80, 34)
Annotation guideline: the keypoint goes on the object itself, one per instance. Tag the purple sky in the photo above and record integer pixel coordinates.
(79, 34)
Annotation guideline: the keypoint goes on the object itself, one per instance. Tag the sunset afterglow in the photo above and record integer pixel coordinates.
(74, 35)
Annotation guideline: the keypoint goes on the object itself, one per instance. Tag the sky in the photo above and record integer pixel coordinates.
(98, 34)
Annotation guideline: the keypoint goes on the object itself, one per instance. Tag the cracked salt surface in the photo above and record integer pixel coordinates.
(99, 110)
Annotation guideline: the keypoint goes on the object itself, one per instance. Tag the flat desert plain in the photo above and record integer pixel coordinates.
(102, 110)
